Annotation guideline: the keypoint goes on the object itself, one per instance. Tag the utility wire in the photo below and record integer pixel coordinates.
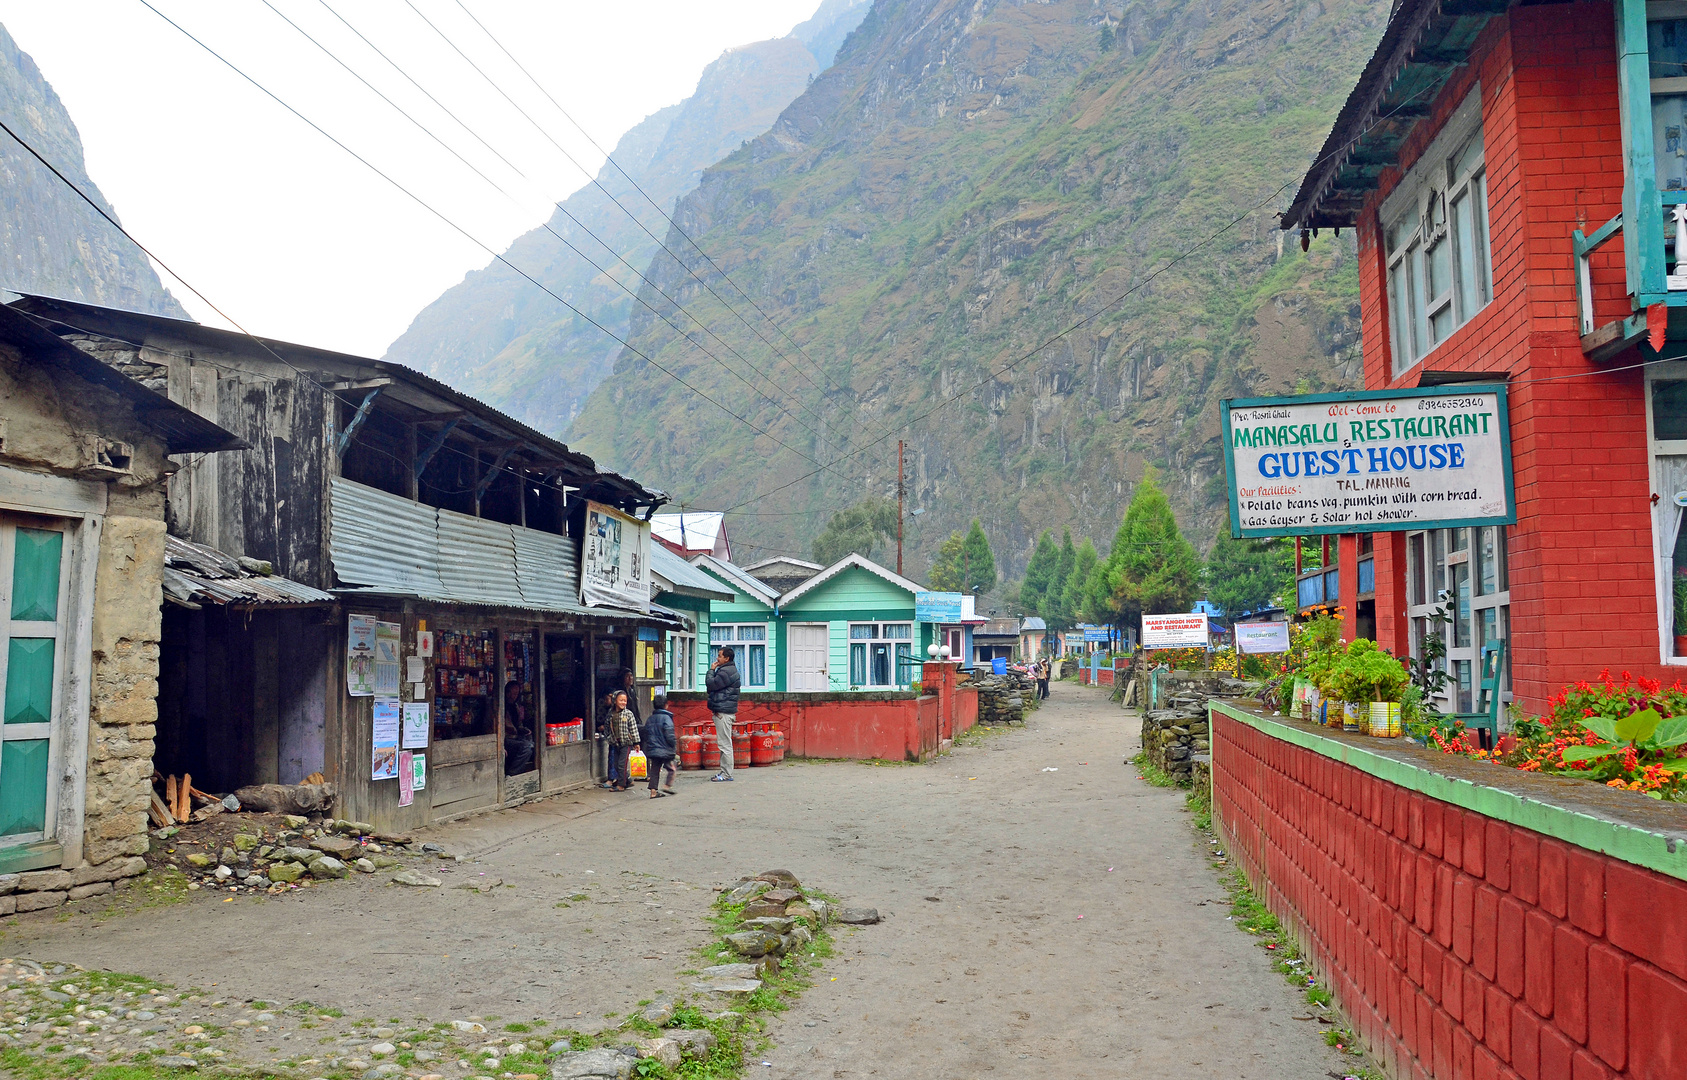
(820, 467)
(547, 227)
(666, 216)
(1109, 305)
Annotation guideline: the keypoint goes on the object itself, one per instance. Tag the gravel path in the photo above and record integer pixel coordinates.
(1036, 923)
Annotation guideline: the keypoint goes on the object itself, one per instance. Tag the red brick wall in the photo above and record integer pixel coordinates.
(1581, 565)
(1459, 945)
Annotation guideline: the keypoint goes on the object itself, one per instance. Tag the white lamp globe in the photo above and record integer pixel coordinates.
(931, 651)
(944, 652)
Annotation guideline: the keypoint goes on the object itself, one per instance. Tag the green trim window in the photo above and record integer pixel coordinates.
(1435, 229)
(34, 583)
(1458, 587)
(748, 642)
(876, 652)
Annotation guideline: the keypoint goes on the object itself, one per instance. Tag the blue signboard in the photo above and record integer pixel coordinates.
(1097, 633)
(937, 607)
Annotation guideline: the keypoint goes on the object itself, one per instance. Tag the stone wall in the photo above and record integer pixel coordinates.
(1004, 699)
(1174, 736)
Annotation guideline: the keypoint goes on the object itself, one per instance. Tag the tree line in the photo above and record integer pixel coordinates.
(1150, 568)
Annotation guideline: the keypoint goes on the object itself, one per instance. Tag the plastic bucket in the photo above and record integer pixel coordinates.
(999, 665)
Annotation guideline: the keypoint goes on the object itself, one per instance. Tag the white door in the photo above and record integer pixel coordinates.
(809, 646)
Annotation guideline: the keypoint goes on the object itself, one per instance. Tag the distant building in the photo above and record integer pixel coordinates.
(693, 533)
(1034, 638)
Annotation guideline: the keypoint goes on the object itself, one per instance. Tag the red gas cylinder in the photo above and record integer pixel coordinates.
(778, 744)
(761, 745)
(711, 753)
(691, 751)
(741, 744)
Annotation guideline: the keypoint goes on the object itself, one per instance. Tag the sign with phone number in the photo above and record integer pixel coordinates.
(1370, 461)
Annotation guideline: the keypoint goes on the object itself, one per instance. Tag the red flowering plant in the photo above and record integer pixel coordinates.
(1629, 733)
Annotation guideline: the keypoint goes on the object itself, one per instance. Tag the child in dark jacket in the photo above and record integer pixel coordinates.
(657, 737)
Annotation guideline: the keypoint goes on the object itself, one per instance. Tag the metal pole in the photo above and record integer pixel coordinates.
(898, 507)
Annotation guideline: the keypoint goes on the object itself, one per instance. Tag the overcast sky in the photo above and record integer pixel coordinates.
(285, 231)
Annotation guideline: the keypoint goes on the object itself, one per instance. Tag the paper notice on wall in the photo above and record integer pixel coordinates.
(406, 779)
(418, 772)
(386, 658)
(415, 671)
(360, 655)
(424, 643)
(384, 764)
(415, 725)
(615, 560)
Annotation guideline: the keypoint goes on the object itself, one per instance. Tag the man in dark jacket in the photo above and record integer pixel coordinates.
(660, 746)
(722, 683)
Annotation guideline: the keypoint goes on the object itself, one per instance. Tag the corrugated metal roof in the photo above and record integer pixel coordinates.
(195, 573)
(381, 539)
(685, 578)
(385, 545)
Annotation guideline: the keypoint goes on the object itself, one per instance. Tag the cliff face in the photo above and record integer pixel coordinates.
(499, 338)
(973, 179)
(51, 241)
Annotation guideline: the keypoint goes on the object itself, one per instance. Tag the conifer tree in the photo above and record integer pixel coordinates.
(1248, 574)
(1152, 569)
(1039, 573)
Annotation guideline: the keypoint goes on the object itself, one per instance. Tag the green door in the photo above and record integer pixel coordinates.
(33, 570)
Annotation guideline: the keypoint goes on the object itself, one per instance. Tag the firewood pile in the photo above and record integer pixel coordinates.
(176, 801)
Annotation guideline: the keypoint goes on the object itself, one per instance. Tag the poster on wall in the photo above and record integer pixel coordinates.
(406, 779)
(360, 655)
(1369, 461)
(418, 772)
(415, 725)
(386, 658)
(615, 560)
(1262, 637)
(1183, 631)
(384, 762)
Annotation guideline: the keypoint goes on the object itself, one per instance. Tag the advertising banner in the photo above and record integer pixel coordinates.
(937, 607)
(1187, 631)
(1369, 461)
(615, 560)
(1262, 637)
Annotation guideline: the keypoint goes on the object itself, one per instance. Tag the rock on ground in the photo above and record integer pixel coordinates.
(600, 1064)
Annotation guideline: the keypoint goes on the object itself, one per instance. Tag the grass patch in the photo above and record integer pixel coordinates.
(979, 734)
(1153, 773)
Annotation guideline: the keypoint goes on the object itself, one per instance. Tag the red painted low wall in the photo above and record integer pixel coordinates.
(899, 729)
(966, 708)
(1458, 944)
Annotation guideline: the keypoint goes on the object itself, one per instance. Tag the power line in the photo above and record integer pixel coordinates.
(546, 225)
(472, 239)
(1109, 305)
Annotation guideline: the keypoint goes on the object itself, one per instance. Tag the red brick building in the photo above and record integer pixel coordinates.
(1511, 171)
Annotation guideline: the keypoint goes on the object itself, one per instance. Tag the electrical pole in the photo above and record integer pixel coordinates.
(898, 507)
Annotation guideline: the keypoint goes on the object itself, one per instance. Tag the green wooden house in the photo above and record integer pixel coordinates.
(748, 623)
(852, 627)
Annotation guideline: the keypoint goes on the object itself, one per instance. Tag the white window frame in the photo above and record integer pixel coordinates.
(1443, 579)
(682, 661)
(1452, 171)
(718, 639)
(879, 635)
(1663, 555)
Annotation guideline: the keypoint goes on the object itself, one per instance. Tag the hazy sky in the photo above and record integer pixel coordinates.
(283, 230)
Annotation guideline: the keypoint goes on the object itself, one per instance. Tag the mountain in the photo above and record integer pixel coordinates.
(496, 336)
(50, 240)
(1056, 217)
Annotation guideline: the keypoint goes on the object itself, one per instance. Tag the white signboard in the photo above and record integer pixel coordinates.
(1262, 637)
(1175, 631)
(1372, 461)
(615, 560)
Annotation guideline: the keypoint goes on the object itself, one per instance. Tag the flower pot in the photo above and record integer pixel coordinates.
(1350, 716)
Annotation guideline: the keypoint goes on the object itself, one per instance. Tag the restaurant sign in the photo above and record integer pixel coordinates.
(1369, 461)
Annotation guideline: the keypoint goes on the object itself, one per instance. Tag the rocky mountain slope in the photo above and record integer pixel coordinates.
(969, 181)
(50, 240)
(497, 337)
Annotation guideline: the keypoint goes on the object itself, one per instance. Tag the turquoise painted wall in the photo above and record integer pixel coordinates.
(744, 608)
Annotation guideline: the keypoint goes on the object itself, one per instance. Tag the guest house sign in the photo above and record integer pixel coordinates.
(1372, 461)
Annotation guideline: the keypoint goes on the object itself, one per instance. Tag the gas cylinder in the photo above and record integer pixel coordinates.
(761, 745)
(691, 751)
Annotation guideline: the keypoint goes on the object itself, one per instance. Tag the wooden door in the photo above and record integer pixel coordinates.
(809, 648)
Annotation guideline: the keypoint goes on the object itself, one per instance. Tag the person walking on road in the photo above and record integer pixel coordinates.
(657, 738)
(722, 683)
(1043, 671)
(623, 736)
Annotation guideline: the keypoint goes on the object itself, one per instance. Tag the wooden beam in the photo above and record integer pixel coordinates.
(434, 444)
(359, 384)
(363, 412)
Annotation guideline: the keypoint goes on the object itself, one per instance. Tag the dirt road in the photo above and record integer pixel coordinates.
(1036, 923)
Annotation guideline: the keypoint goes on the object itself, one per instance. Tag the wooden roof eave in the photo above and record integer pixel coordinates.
(1425, 43)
